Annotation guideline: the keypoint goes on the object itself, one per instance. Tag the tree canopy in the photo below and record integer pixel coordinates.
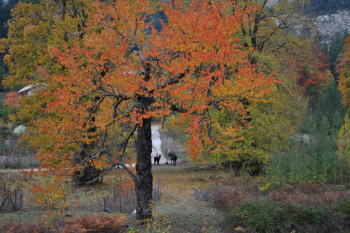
(109, 84)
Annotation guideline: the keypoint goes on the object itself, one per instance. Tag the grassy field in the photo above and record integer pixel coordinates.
(178, 210)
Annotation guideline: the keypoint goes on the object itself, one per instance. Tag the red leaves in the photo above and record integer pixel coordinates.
(313, 75)
(12, 99)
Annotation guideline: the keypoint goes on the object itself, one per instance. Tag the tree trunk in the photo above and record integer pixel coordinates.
(144, 178)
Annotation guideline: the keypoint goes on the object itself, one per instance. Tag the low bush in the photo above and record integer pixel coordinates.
(222, 196)
(229, 193)
(202, 194)
(21, 228)
(95, 223)
(260, 217)
(301, 196)
(344, 208)
(226, 196)
(269, 216)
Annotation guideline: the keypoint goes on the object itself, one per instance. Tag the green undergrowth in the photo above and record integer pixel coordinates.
(269, 216)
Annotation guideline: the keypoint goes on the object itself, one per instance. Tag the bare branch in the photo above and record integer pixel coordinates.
(127, 139)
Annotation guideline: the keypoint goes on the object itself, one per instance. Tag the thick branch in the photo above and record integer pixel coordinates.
(118, 96)
(178, 109)
(173, 80)
(109, 169)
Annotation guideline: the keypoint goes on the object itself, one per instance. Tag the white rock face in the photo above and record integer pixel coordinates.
(329, 25)
(157, 143)
(19, 129)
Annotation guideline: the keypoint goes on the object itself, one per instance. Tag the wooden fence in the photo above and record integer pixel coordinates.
(10, 201)
(121, 200)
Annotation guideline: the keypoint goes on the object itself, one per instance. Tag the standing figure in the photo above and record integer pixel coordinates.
(157, 159)
(172, 157)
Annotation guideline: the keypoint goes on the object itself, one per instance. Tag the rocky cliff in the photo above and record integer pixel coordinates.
(330, 24)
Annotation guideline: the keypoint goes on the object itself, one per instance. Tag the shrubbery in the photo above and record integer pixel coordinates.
(344, 208)
(311, 154)
(307, 207)
(269, 216)
(96, 223)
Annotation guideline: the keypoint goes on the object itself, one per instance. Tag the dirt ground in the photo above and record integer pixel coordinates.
(185, 213)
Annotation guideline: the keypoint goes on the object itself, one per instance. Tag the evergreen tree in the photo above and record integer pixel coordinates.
(5, 14)
(334, 49)
(328, 6)
(330, 108)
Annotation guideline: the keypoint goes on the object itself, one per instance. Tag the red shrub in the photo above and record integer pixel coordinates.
(310, 187)
(95, 223)
(288, 188)
(333, 197)
(226, 197)
(20, 228)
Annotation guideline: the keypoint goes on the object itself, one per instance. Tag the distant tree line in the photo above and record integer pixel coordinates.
(328, 6)
(5, 14)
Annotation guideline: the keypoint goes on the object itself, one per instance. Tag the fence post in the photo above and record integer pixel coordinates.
(15, 206)
(20, 199)
(104, 204)
(8, 200)
(4, 201)
(159, 186)
(110, 202)
(120, 203)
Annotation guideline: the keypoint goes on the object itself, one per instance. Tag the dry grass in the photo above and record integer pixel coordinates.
(185, 213)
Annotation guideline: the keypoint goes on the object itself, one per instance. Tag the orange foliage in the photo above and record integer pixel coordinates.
(118, 75)
(52, 197)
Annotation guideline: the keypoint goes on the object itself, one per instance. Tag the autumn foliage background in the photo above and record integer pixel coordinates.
(245, 94)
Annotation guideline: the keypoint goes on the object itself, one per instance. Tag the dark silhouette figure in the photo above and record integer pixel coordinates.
(157, 159)
(172, 157)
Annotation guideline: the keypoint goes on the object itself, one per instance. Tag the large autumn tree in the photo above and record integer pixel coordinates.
(119, 78)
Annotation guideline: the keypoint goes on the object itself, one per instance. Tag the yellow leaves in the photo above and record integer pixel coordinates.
(240, 229)
(344, 141)
(51, 196)
(343, 68)
(3, 45)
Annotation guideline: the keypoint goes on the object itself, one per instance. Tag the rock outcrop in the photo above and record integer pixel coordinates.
(330, 24)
